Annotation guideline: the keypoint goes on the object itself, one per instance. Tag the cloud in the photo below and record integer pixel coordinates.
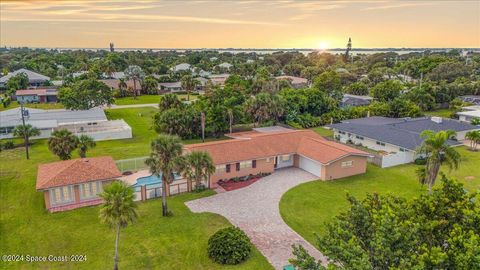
(400, 5)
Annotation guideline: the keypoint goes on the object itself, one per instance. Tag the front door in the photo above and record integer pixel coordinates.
(275, 164)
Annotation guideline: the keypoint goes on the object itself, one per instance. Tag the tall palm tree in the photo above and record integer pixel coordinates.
(474, 137)
(118, 210)
(26, 132)
(189, 83)
(84, 143)
(136, 74)
(62, 143)
(199, 166)
(165, 158)
(437, 151)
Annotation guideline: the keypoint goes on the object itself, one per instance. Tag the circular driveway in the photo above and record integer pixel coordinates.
(255, 209)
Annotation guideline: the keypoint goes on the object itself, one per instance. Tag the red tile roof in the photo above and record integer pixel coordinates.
(76, 171)
(262, 145)
(38, 92)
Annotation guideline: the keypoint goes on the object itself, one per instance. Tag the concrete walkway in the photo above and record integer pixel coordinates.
(255, 209)
(113, 106)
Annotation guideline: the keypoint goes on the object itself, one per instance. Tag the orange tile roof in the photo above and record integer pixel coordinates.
(76, 171)
(262, 145)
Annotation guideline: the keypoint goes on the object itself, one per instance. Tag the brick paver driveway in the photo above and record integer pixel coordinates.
(255, 209)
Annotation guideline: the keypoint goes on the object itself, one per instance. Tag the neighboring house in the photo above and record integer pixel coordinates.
(225, 65)
(113, 84)
(470, 99)
(469, 113)
(114, 75)
(36, 96)
(182, 67)
(219, 79)
(296, 82)
(396, 139)
(171, 87)
(213, 59)
(91, 122)
(349, 100)
(264, 151)
(75, 183)
(34, 79)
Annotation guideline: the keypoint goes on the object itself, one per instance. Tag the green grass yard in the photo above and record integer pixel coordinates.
(445, 113)
(146, 99)
(307, 207)
(153, 242)
(43, 106)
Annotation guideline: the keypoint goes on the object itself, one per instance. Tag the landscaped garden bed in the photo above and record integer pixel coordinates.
(240, 182)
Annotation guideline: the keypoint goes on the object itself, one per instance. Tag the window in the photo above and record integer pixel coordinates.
(359, 137)
(403, 150)
(90, 190)
(285, 158)
(347, 164)
(245, 164)
(220, 168)
(268, 160)
(254, 164)
(342, 132)
(61, 195)
(380, 143)
(237, 166)
(227, 168)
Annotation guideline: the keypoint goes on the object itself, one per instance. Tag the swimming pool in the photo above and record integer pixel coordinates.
(151, 180)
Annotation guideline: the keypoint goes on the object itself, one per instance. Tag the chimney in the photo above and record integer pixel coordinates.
(436, 119)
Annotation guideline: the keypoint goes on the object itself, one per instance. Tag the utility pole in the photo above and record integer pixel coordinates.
(25, 133)
(202, 116)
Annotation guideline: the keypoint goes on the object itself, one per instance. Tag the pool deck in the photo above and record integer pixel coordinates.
(132, 178)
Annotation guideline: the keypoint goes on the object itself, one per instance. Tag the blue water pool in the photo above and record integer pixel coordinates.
(150, 180)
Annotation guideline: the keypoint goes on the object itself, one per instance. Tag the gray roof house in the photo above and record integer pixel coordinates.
(349, 100)
(396, 136)
(34, 78)
(93, 123)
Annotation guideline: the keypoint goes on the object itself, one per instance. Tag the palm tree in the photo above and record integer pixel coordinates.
(26, 132)
(189, 83)
(62, 143)
(474, 137)
(164, 160)
(84, 143)
(437, 151)
(122, 86)
(150, 85)
(118, 210)
(134, 73)
(199, 166)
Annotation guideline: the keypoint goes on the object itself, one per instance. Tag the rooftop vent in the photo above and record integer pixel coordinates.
(436, 119)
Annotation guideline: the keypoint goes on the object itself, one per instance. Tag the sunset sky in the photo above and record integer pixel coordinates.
(239, 24)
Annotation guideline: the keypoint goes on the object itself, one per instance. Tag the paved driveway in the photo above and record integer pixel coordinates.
(255, 209)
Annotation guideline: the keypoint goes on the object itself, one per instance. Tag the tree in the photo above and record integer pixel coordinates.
(437, 231)
(264, 107)
(437, 151)
(330, 83)
(136, 74)
(448, 71)
(122, 86)
(387, 90)
(26, 132)
(475, 121)
(199, 167)
(62, 143)
(165, 158)
(118, 210)
(189, 83)
(85, 94)
(402, 107)
(150, 85)
(357, 88)
(474, 137)
(17, 82)
(84, 143)
(169, 101)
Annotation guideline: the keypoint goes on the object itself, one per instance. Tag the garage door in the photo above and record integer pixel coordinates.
(310, 166)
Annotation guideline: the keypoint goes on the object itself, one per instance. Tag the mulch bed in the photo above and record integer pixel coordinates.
(231, 185)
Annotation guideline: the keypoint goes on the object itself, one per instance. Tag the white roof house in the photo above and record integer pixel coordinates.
(34, 78)
(225, 65)
(467, 116)
(181, 67)
(91, 122)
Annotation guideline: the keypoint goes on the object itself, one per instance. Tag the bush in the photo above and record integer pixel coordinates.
(9, 145)
(200, 188)
(229, 246)
(421, 161)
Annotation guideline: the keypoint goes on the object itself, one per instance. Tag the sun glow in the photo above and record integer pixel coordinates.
(322, 45)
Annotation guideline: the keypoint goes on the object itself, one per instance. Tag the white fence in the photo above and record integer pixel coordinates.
(392, 159)
(132, 164)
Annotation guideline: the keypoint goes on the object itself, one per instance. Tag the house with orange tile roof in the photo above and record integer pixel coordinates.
(264, 152)
(75, 183)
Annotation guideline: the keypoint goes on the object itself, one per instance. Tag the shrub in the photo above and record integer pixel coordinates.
(9, 145)
(200, 188)
(421, 161)
(229, 246)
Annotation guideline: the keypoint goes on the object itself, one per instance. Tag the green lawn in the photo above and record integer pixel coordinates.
(146, 99)
(307, 207)
(153, 242)
(44, 106)
(445, 113)
(323, 132)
